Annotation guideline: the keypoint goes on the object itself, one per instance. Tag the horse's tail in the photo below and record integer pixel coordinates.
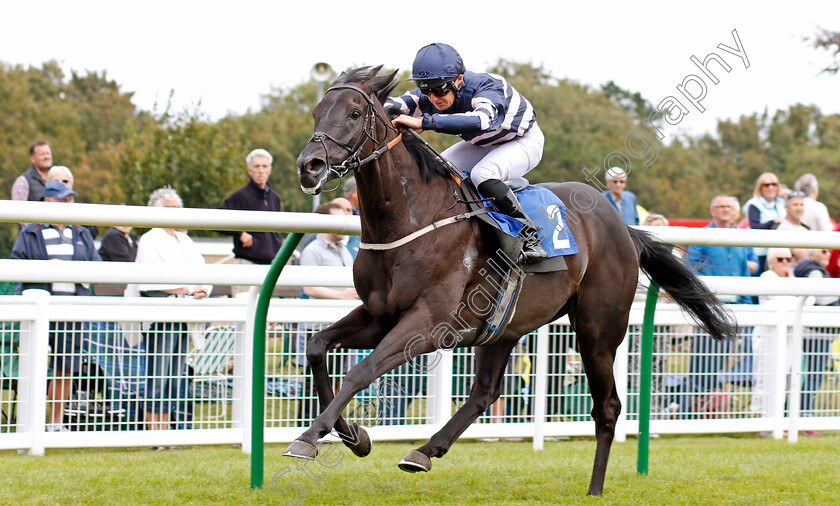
(687, 290)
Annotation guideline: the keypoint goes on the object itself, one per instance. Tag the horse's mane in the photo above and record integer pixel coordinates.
(429, 164)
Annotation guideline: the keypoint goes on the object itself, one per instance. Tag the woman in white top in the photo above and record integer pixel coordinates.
(166, 342)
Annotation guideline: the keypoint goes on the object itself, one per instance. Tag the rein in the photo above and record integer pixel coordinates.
(354, 160)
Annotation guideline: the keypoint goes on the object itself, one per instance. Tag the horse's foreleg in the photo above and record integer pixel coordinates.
(388, 354)
(356, 330)
(490, 362)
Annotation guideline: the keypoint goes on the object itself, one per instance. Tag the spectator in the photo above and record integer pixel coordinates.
(324, 250)
(710, 358)
(765, 210)
(352, 241)
(794, 206)
(779, 262)
(622, 200)
(816, 342)
(118, 245)
(514, 400)
(815, 215)
(352, 246)
(63, 174)
(720, 260)
(655, 220)
(662, 341)
(256, 195)
(30, 185)
(784, 191)
(833, 266)
(166, 342)
(752, 258)
(59, 242)
(352, 194)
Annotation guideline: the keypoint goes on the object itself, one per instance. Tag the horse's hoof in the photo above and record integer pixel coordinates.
(301, 450)
(415, 462)
(361, 446)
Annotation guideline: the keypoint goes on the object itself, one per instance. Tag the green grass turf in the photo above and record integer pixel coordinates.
(737, 469)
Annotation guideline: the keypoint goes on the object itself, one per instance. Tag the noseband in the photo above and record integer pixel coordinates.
(368, 132)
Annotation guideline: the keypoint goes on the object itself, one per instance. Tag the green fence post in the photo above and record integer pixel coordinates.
(645, 377)
(258, 374)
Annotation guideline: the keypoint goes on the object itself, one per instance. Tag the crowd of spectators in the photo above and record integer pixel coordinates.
(772, 207)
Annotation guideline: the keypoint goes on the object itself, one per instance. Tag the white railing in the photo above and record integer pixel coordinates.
(554, 403)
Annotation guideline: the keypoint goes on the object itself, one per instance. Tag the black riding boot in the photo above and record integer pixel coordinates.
(505, 202)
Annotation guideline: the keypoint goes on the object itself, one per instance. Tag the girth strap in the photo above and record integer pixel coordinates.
(423, 231)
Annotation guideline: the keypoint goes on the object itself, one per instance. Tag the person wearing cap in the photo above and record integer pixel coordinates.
(39, 241)
(622, 200)
(498, 127)
(254, 247)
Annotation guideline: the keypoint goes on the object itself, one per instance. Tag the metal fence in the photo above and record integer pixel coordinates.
(103, 371)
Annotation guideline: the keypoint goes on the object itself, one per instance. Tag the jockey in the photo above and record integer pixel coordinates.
(501, 139)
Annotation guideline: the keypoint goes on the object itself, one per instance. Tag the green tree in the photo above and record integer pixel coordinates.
(84, 118)
(201, 160)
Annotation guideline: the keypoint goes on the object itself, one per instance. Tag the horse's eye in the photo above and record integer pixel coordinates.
(356, 114)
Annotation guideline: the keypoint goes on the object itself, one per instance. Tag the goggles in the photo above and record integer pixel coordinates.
(437, 90)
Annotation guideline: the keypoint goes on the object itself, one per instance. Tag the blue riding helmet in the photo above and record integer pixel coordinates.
(436, 64)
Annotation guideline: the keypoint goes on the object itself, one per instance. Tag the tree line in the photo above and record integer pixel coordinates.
(119, 154)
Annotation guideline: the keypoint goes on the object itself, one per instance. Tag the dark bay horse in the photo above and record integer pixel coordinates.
(417, 287)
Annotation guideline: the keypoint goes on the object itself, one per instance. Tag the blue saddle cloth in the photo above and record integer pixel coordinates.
(548, 213)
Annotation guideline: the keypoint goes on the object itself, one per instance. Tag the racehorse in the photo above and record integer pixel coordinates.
(414, 286)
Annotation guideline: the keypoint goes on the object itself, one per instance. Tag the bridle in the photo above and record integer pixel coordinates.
(355, 162)
(368, 133)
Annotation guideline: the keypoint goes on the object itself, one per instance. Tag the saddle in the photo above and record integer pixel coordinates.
(511, 246)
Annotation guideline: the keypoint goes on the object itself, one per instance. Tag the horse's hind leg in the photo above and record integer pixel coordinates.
(490, 362)
(598, 337)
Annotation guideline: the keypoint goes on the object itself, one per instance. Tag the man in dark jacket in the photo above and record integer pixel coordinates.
(30, 184)
(257, 195)
(39, 241)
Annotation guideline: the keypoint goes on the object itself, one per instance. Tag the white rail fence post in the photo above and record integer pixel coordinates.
(540, 387)
(33, 377)
(621, 372)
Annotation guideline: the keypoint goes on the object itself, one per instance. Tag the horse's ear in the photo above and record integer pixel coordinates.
(384, 85)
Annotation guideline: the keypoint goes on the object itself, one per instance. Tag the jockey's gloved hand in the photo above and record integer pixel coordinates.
(392, 111)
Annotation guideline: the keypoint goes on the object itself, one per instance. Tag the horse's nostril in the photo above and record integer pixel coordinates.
(313, 165)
